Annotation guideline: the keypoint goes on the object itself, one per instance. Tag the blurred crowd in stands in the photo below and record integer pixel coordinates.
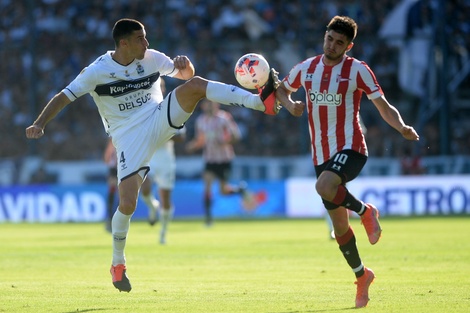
(44, 44)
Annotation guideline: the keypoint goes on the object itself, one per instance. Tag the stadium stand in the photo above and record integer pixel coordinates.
(61, 37)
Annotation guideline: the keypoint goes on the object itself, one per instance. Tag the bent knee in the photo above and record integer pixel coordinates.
(325, 189)
(196, 83)
(127, 207)
(189, 93)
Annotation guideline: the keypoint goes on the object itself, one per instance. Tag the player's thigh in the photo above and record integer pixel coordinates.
(347, 164)
(189, 93)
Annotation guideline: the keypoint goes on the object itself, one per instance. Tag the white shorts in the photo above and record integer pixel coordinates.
(163, 166)
(136, 146)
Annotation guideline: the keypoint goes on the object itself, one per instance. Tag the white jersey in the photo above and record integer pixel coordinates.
(131, 104)
(124, 95)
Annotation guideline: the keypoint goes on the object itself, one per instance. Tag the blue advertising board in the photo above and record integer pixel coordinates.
(87, 202)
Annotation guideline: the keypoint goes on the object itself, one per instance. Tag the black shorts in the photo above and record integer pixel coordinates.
(220, 170)
(347, 164)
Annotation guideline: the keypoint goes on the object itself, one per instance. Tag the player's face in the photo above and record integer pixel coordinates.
(138, 44)
(335, 45)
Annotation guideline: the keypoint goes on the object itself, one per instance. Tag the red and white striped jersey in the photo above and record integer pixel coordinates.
(218, 131)
(333, 97)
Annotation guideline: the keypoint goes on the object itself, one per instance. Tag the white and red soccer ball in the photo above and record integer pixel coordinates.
(252, 71)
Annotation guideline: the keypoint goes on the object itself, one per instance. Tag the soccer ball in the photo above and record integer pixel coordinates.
(252, 71)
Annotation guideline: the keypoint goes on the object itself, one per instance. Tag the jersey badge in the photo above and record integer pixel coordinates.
(340, 79)
(140, 69)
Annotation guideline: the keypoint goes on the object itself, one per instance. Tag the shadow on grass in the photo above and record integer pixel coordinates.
(85, 310)
(321, 310)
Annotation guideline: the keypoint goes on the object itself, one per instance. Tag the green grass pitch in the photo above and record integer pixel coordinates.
(280, 266)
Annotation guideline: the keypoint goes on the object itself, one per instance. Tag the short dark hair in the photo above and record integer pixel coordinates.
(343, 25)
(124, 28)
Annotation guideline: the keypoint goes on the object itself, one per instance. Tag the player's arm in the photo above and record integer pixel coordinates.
(55, 105)
(185, 67)
(283, 95)
(198, 141)
(391, 115)
(196, 144)
(234, 133)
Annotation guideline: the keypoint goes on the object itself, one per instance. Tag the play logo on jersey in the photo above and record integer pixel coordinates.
(324, 98)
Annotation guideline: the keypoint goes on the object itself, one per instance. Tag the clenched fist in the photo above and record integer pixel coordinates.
(34, 132)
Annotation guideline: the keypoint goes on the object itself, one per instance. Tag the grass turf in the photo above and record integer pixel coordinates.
(421, 264)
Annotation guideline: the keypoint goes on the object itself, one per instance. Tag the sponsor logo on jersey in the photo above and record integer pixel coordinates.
(123, 87)
(324, 98)
(136, 103)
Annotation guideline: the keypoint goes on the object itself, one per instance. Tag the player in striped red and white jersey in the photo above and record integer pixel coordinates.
(216, 132)
(334, 83)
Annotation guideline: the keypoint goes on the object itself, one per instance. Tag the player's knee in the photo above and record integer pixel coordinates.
(325, 189)
(196, 85)
(127, 207)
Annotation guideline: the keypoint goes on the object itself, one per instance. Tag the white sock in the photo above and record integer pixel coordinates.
(363, 209)
(120, 228)
(149, 199)
(232, 95)
(166, 215)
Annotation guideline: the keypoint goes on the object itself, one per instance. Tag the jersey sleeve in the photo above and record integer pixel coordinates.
(84, 83)
(367, 82)
(292, 81)
(164, 63)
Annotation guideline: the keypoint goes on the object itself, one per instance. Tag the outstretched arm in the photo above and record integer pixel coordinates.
(55, 105)
(391, 115)
(283, 95)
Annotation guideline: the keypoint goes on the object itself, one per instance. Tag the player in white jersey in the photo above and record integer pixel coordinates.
(334, 83)
(124, 84)
(216, 132)
(163, 173)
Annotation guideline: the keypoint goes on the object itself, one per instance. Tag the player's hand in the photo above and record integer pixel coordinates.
(409, 133)
(34, 132)
(295, 108)
(181, 61)
(184, 66)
